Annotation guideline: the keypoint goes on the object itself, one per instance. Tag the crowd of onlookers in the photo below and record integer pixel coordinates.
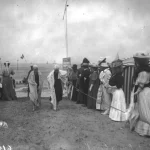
(99, 87)
(95, 86)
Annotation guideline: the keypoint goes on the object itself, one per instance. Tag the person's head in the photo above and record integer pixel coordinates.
(85, 63)
(116, 70)
(93, 67)
(141, 59)
(7, 64)
(56, 68)
(35, 68)
(103, 66)
(74, 67)
(31, 67)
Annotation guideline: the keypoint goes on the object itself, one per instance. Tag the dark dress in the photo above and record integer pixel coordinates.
(84, 86)
(58, 88)
(94, 79)
(8, 91)
(79, 85)
(74, 82)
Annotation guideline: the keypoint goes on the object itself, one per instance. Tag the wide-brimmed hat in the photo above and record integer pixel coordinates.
(116, 63)
(85, 62)
(94, 65)
(101, 60)
(141, 55)
(104, 64)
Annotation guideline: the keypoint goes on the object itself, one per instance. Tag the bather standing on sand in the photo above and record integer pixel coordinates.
(56, 80)
(35, 86)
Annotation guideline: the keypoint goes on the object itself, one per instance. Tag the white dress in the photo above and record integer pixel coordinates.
(103, 97)
(118, 102)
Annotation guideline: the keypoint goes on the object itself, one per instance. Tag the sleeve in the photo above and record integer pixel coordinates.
(101, 76)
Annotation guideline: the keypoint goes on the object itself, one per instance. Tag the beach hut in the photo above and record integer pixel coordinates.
(128, 72)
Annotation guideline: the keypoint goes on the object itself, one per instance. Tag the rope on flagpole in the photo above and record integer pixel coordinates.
(94, 98)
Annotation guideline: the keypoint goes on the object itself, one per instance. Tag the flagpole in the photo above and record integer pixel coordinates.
(17, 64)
(65, 13)
(1, 64)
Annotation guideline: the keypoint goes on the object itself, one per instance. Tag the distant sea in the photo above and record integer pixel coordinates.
(23, 68)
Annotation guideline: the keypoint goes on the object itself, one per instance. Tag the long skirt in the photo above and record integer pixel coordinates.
(91, 101)
(58, 90)
(143, 125)
(103, 98)
(118, 102)
(8, 89)
(33, 94)
(106, 99)
(74, 91)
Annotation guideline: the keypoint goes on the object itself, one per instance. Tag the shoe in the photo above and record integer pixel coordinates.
(105, 113)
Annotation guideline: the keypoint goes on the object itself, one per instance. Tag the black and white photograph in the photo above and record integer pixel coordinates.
(74, 74)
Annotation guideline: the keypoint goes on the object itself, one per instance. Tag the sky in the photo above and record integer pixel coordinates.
(96, 28)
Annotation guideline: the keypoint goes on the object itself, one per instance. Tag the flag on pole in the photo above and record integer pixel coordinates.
(22, 57)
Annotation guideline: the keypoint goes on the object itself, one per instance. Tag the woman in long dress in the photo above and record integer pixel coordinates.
(7, 83)
(118, 104)
(84, 83)
(140, 97)
(73, 77)
(93, 87)
(79, 85)
(103, 96)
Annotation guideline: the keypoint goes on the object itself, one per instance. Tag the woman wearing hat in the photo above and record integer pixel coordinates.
(84, 82)
(7, 83)
(103, 97)
(73, 78)
(118, 99)
(140, 97)
(79, 85)
(93, 87)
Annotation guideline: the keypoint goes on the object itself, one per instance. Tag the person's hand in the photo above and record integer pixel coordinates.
(90, 88)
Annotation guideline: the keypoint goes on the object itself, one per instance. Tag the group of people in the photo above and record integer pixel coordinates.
(99, 87)
(7, 83)
(95, 86)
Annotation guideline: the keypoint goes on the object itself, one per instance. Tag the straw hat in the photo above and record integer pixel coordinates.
(94, 65)
(141, 55)
(142, 58)
(116, 63)
(101, 60)
(104, 64)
